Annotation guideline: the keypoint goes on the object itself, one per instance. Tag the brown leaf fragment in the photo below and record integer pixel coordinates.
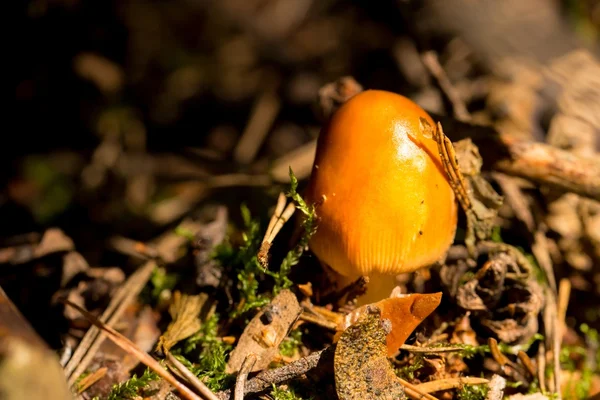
(362, 370)
(263, 335)
(53, 241)
(405, 312)
(184, 310)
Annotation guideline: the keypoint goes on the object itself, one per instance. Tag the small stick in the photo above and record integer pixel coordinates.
(240, 381)
(93, 338)
(318, 321)
(452, 383)
(527, 363)
(564, 293)
(432, 63)
(541, 362)
(415, 392)
(193, 379)
(263, 115)
(289, 371)
(130, 347)
(433, 350)
(280, 216)
(92, 378)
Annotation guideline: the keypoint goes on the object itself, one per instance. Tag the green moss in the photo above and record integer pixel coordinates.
(291, 343)
(472, 392)
(130, 389)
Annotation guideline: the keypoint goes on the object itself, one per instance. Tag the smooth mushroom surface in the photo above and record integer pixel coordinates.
(383, 200)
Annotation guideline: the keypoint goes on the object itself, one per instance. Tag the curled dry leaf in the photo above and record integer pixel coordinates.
(404, 312)
(362, 370)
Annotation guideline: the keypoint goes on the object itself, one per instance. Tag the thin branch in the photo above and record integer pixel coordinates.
(193, 379)
(93, 338)
(130, 347)
(240, 381)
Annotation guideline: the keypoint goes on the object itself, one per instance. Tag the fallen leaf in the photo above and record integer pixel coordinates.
(265, 332)
(184, 310)
(405, 312)
(362, 370)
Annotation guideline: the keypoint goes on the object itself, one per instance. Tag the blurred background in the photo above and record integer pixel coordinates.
(131, 113)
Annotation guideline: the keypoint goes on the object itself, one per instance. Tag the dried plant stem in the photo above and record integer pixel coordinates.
(564, 293)
(93, 338)
(194, 381)
(296, 368)
(432, 63)
(280, 216)
(240, 381)
(447, 384)
(432, 350)
(92, 378)
(131, 348)
(414, 392)
(261, 119)
(318, 320)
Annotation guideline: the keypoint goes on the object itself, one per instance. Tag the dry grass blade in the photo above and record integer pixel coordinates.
(280, 216)
(417, 349)
(564, 293)
(414, 392)
(430, 60)
(132, 349)
(240, 381)
(319, 321)
(93, 338)
(194, 381)
(92, 378)
(300, 160)
(447, 384)
(263, 115)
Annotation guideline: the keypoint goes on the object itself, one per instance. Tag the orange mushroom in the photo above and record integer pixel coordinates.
(383, 200)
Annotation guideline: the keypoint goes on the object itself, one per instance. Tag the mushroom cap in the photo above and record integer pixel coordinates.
(388, 206)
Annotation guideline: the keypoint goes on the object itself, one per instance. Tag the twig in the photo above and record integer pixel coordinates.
(296, 368)
(564, 293)
(550, 319)
(531, 160)
(240, 380)
(433, 66)
(417, 349)
(93, 338)
(415, 392)
(280, 216)
(193, 379)
(541, 361)
(262, 117)
(130, 347)
(300, 160)
(322, 321)
(92, 378)
(452, 383)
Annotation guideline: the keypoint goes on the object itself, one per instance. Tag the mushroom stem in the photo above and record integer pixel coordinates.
(379, 287)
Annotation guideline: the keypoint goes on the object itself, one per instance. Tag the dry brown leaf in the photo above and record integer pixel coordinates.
(405, 313)
(263, 335)
(184, 310)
